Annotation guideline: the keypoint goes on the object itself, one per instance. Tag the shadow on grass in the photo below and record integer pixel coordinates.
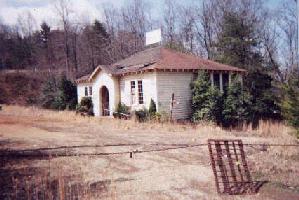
(36, 183)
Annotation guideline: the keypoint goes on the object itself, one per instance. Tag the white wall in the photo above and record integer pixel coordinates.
(81, 90)
(149, 89)
(179, 84)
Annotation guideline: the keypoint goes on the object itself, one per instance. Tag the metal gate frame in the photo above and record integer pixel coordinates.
(230, 168)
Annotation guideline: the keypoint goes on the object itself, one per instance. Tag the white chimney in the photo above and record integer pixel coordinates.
(153, 37)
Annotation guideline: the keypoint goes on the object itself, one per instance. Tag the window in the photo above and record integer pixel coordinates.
(216, 77)
(86, 91)
(140, 92)
(133, 98)
(90, 90)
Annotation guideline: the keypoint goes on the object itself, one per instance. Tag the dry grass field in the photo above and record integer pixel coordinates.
(173, 174)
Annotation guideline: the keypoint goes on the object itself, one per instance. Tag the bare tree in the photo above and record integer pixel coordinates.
(135, 21)
(63, 10)
(26, 24)
(287, 23)
(126, 27)
(169, 21)
(205, 28)
(187, 20)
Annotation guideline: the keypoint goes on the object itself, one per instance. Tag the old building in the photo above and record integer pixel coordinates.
(156, 73)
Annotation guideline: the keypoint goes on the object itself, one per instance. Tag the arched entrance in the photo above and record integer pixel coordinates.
(104, 93)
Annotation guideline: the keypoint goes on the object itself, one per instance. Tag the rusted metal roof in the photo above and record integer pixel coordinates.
(160, 59)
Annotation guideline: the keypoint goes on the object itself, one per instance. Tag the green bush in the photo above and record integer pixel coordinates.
(290, 102)
(86, 106)
(68, 92)
(121, 109)
(50, 93)
(207, 101)
(142, 115)
(158, 117)
(163, 116)
(59, 94)
(237, 105)
(152, 109)
(228, 109)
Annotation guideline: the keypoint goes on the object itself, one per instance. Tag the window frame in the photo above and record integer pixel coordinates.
(86, 91)
(140, 92)
(90, 90)
(133, 92)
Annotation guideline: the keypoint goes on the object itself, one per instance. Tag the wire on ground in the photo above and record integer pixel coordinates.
(42, 153)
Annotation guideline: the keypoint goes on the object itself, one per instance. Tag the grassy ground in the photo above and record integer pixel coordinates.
(173, 174)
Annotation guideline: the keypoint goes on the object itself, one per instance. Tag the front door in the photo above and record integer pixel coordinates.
(105, 101)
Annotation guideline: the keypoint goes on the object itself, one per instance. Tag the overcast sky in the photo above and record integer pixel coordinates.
(43, 10)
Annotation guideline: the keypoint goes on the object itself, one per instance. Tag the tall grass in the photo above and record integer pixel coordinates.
(265, 128)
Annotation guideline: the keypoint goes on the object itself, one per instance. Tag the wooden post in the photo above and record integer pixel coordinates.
(171, 105)
(212, 78)
(221, 82)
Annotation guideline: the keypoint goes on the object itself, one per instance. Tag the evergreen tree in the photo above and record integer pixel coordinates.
(238, 46)
(45, 45)
(152, 107)
(50, 94)
(100, 42)
(207, 101)
(290, 102)
(68, 93)
(236, 105)
(59, 94)
(45, 33)
(100, 30)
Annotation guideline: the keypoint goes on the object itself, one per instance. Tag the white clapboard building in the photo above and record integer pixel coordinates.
(156, 73)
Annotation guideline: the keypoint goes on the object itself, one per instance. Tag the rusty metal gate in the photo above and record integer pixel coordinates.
(230, 167)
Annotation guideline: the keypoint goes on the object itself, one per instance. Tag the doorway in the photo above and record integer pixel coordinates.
(105, 101)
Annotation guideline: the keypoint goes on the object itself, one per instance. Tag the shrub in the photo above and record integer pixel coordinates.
(163, 116)
(121, 109)
(207, 101)
(229, 108)
(158, 116)
(290, 102)
(152, 109)
(237, 105)
(68, 93)
(59, 94)
(142, 115)
(49, 94)
(86, 107)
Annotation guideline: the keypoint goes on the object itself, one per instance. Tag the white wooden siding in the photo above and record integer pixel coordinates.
(81, 90)
(149, 89)
(179, 84)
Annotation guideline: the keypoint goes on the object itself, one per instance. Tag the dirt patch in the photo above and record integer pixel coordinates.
(171, 174)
